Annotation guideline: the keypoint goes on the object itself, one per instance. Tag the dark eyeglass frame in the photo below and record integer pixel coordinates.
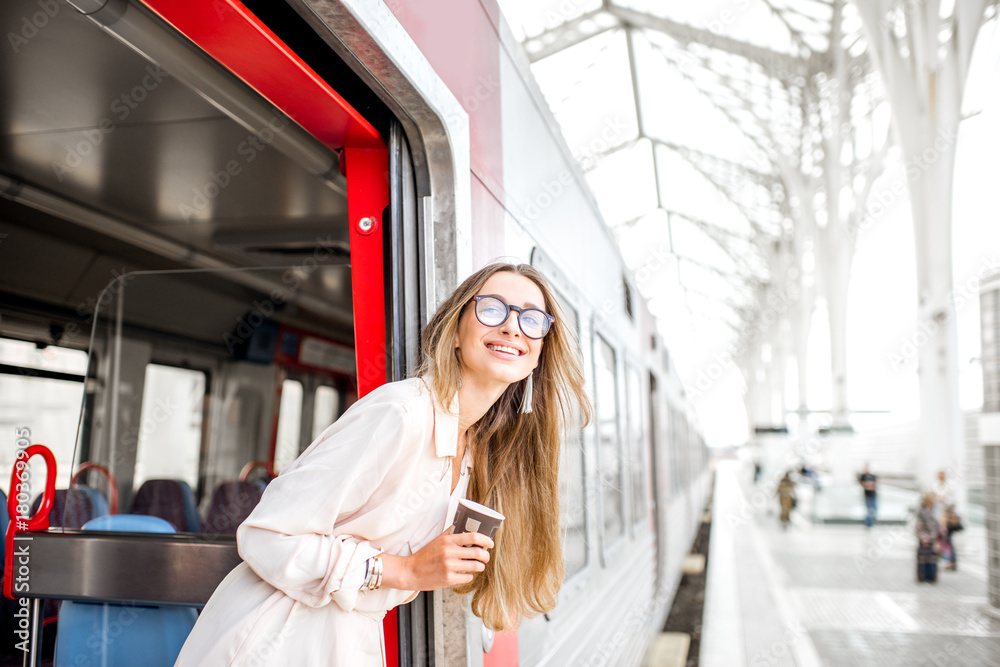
(520, 311)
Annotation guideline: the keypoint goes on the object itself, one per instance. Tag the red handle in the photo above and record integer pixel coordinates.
(18, 508)
(250, 467)
(112, 482)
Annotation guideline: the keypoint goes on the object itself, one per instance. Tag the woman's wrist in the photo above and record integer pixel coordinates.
(396, 572)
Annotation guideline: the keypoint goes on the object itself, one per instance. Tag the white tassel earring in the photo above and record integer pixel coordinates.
(528, 387)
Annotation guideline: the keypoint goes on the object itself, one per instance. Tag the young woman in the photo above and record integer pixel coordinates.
(358, 523)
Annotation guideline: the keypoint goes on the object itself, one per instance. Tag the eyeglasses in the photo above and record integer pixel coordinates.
(492, 311)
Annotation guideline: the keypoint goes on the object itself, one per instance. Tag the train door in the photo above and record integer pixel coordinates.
(228, 321)
(661, 490)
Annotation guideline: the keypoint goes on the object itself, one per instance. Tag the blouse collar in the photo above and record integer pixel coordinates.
(445, 426)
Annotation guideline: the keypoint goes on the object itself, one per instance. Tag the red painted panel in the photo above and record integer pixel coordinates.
(488, 224)
(460, 41)
(367, 198)
(504, 651)
(231, 34)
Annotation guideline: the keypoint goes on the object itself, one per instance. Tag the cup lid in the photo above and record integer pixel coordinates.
(482, 509)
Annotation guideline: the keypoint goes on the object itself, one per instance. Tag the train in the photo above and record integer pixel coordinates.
(223, 222)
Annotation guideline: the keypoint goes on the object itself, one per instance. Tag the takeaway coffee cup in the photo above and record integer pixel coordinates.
(471, 517)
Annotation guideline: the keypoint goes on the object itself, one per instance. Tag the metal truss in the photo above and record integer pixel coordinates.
(788, 103)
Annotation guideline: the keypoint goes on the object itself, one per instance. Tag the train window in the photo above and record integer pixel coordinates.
(325, 405)
(608, 446)
(571, 481)
(286, 449)
(636, 440)
(678, 443)
(628, 298)
(170, 425)
(41, 389)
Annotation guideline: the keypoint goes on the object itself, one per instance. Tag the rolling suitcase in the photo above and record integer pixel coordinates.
(926, 563)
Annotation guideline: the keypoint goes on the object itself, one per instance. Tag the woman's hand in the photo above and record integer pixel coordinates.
(449, 560)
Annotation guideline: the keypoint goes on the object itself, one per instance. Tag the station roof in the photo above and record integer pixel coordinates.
(691, 119)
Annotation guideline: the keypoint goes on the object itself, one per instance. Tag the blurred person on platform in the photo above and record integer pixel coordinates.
(928, 535)
(947, 516)
(786, 496)
(867, 481)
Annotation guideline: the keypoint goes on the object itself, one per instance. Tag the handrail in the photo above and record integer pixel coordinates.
(112, 482)
(248, 468)
(18, 506)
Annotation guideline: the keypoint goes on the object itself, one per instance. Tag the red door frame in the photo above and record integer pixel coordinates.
(228, 32)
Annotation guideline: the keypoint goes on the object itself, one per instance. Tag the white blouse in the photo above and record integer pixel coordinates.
(380, 476)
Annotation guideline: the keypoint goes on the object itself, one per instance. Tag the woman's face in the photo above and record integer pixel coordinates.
(502, 353)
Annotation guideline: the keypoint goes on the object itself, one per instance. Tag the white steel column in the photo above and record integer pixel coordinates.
(925, 78)
(837, 250)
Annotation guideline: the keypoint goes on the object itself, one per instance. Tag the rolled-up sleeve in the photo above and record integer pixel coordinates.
(291, 539)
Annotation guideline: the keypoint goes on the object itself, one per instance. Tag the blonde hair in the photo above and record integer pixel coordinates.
(515, 455)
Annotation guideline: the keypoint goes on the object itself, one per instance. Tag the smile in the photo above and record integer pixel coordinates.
(505, 349)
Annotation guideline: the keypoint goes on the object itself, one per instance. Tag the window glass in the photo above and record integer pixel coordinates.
(609, 450)
(637, 437)
(286, 449)
(170, 434)
(49, 408)
(572, 498)
(678, 440)
(324, 409)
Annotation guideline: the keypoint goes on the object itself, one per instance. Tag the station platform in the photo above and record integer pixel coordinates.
(832, 594)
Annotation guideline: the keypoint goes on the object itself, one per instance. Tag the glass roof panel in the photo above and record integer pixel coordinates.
(530, 18)
(623, 183)
(746, 21)
(692, 195)
(690, 240)
(675, 111)
(589, 90)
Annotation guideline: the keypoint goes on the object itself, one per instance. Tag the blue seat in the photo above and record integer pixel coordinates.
(231, 504)
(170, 499)
(71, 508)
(120, 635)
